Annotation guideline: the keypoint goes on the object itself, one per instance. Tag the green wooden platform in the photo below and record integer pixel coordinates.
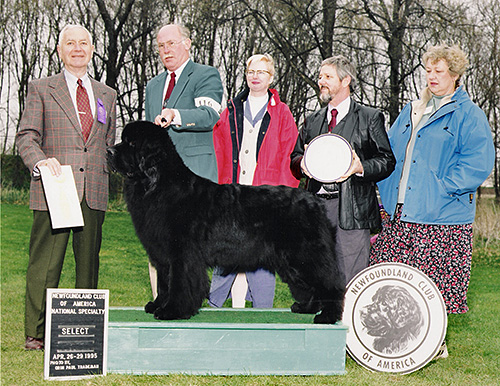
(224, 341)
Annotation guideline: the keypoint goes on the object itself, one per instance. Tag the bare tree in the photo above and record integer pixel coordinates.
(482, 42)
(24, 33)
(385, 38)
(140, 64)
(237, 39)
(302, 33)
(6, 53)
(402, 29)
(124, 49)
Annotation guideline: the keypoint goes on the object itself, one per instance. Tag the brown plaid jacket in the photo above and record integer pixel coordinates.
(50, 128)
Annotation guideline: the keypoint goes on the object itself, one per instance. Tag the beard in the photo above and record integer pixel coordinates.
(325, 96)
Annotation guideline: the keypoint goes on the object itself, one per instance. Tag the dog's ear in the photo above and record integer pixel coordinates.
(150, 171)
(147, 144)
(153, 177)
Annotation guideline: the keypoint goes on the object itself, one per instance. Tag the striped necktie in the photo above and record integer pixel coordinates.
(84, 111)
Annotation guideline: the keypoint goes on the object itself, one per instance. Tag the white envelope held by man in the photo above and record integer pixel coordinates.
(62, 198)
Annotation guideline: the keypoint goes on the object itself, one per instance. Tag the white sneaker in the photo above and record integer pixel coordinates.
(442, 352)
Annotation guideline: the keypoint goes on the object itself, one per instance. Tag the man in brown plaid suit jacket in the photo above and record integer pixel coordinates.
(50, 135)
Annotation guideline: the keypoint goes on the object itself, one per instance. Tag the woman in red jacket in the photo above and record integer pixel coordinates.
(253, 140)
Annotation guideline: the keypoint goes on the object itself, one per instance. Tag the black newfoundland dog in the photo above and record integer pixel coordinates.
(188, 224)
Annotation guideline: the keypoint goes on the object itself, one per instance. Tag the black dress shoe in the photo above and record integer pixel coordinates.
(33, 343)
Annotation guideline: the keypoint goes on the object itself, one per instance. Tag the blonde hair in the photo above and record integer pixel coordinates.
(453, 55)
(266, 58)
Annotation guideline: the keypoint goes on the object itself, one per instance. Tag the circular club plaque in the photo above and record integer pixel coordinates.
(328, 157)
(396, 316)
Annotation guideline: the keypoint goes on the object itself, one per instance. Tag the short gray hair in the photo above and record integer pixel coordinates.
(344, 68)
(71, 26)
(183, 30)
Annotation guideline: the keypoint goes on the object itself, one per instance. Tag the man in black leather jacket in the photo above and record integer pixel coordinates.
(351, 201)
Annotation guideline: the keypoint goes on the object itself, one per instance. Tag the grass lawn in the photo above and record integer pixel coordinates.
(473, 339)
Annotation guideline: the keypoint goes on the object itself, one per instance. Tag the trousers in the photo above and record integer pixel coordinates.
(352, 245)
(46, 256)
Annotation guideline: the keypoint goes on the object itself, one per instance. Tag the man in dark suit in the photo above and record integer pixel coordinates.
(69, 119)
(351, 201)
(186, 100)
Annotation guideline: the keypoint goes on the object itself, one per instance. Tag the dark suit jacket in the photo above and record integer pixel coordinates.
(50, 128)
(197, 96)
(363, 127)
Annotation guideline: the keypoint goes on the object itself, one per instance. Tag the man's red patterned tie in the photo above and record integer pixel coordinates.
(84, 111)
(170, 87)
(333, 121)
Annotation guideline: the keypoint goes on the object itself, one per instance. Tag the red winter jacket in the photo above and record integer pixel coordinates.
(277, 137)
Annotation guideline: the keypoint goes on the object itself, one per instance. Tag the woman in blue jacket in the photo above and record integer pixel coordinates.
(444, 151)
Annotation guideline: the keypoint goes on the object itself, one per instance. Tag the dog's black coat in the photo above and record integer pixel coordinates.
(188, 223)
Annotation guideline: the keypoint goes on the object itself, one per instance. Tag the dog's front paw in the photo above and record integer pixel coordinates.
(305, 308)
(150, 308)
(170, 313)
(165, 314)
(297, 308)
(326, 317)
(322, 319)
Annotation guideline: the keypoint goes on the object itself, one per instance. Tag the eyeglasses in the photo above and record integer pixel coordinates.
(169, 44)
(251, 73)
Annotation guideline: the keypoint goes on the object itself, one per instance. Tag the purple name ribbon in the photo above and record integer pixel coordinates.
(101, 111)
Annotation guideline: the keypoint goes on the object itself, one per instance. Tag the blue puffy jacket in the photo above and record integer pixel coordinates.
(453, 155)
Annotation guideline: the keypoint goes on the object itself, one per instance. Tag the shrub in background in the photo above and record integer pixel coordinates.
(115, 186)
(14, 173)
(15, 181)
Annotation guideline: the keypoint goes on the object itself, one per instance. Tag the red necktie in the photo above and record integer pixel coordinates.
(333, 121)
(170, 87)
(84, 111)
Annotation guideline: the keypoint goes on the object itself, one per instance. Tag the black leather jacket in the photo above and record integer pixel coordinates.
(364, 128)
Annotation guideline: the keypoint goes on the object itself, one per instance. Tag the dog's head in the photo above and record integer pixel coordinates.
(394, 315)
(144, 145)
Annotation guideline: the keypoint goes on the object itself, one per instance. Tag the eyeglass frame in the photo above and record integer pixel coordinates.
(169, 44)
(256, 72)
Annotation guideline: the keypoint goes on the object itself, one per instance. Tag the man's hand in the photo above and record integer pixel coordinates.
(165, 118)
(303, 165)
(356, 168)
(53, 165)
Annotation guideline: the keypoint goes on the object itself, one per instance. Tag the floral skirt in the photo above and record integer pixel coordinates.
(442, 252)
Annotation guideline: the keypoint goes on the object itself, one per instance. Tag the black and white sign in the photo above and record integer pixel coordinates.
(396, 316)
(76, 333)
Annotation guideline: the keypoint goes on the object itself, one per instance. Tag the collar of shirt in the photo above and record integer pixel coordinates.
(72, 85)
(342, 108)
(257, 107)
